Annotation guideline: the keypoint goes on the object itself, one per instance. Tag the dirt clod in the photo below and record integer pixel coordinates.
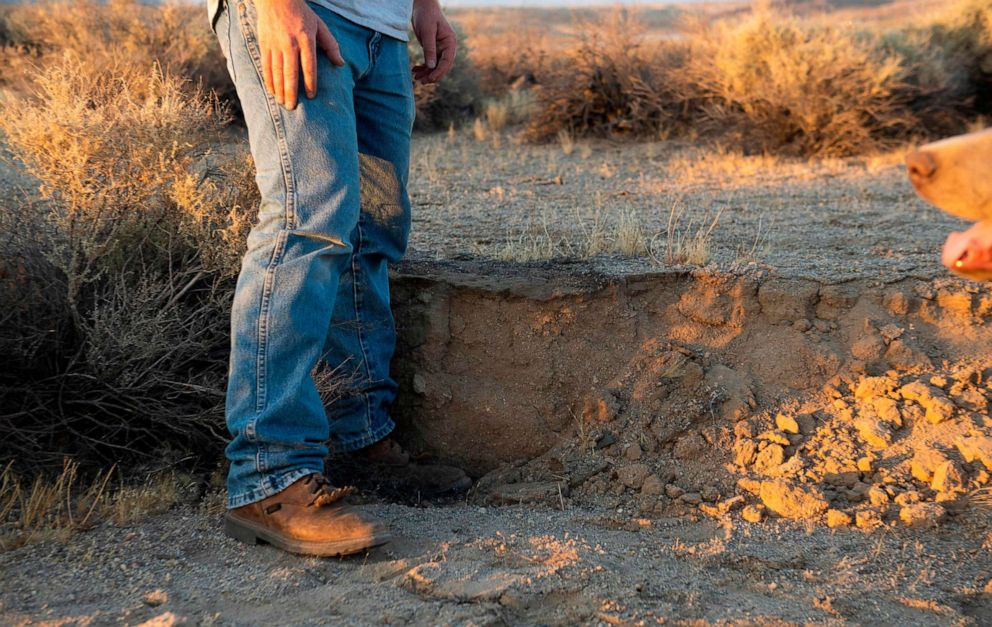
(790, 500)
(922, 515)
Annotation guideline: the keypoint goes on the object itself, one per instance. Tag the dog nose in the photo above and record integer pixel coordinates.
(921, 165)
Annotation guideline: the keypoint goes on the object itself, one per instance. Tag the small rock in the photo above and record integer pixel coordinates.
(633, 452)
(937, 406)
(633, 476)
(888, 410)
(771, 457)
(154, 598)
(873, 432)
(865, 464)
(653, 486)
(753, 513)
(868, 519)
(744, 452)
(877, 496)
(710, 494)
(947, 478)
(672, 491)
(977, 448)
(807, 423)
(896, 302)
(690, 446)
(787, 423)
(691, 498)
(902, 356)
(419, 384)
(731, 504)
(790, 500)
(744, 429)
(775, 437)
(838, 518)
(604, 409)
(605, 440)
(710, 510)
(922, 515)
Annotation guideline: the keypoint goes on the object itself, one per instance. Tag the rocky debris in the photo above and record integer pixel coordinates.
(527, 492)
(947, 478)
(869, 446)
(790, 500)
(634, 475)
(977, 448)
(937, 406)
(922, 515)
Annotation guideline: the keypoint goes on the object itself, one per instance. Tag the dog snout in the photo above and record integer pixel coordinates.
(921, 165)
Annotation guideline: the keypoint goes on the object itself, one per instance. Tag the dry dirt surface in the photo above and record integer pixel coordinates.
(519, 565)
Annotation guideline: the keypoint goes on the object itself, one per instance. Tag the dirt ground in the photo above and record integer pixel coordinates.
(468, 565)
(777, 415)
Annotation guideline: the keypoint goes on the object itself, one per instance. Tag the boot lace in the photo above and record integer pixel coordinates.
(323, 492)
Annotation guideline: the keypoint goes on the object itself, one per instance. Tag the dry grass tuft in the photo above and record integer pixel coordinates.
(55, 508)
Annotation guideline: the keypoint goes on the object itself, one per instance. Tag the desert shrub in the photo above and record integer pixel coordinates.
(456, 98)
(174, 37)
(782, 85)
(950, 61)
(123, 272)
(610, 83)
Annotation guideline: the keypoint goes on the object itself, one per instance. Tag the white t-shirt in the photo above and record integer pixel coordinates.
(389, 17)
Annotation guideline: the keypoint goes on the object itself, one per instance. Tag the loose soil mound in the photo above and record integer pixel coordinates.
(751, 396)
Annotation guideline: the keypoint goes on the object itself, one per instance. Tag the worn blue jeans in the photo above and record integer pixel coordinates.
(313, 293)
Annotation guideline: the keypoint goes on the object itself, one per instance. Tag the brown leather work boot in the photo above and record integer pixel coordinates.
(309, 518)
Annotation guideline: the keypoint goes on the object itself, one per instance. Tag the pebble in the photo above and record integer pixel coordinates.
(787, 423)
(753, 513)
(156, 597)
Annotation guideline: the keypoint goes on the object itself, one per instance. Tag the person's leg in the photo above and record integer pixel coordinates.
(362, 336)
(307, 173)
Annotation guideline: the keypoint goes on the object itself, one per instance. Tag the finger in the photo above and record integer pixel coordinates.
(277, 77)
(308, 61)
(429, 42)
(329, 45)
(447, 61)
(267, 71)
(291, 76)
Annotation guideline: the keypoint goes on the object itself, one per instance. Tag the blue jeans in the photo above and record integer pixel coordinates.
(313, 289)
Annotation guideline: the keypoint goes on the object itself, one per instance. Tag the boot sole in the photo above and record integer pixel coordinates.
(250, 533)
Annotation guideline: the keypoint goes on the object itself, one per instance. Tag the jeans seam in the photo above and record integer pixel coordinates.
(275, 115)
(355, 275)
(268, 284)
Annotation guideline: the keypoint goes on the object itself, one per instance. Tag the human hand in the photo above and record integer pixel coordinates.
(289, 34)
(437, 39)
